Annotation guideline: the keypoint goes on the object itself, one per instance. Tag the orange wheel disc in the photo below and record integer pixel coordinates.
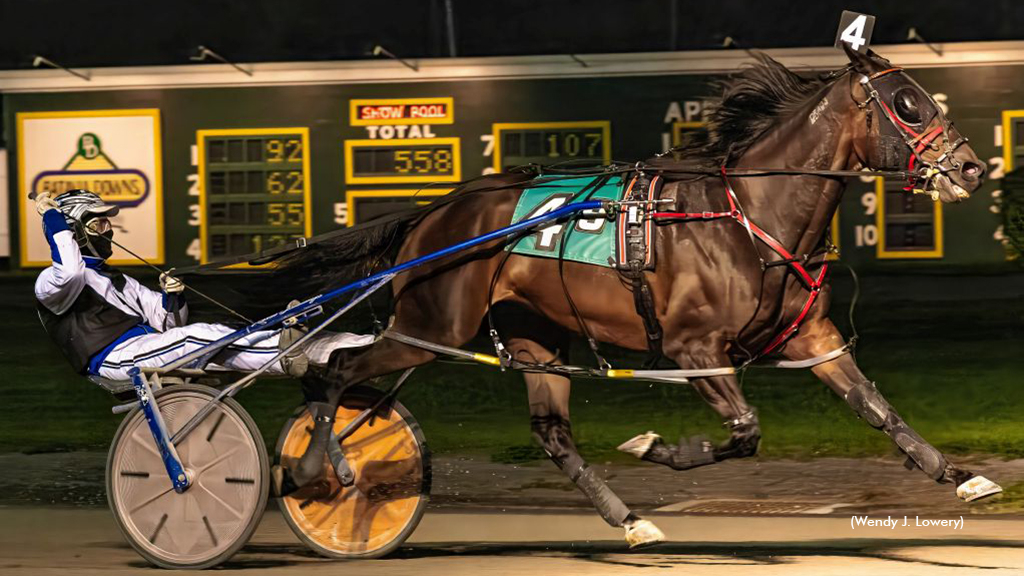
(392, 481)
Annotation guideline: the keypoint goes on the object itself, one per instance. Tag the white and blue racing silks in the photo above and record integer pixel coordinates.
(59, 285)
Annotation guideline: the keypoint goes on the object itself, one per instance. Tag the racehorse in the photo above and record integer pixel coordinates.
(714, 298)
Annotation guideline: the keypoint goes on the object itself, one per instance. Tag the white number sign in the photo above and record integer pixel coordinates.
(855, 29)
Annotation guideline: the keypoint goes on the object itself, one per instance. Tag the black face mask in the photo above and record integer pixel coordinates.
(96, 245)
(102, 244)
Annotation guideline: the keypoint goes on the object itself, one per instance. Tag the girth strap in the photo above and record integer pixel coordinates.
(635, 254)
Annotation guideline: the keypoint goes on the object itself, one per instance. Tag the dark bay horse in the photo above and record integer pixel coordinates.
(713, 299)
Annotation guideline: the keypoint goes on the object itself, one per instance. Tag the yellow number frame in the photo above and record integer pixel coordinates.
(679, 127)
(882, 253)
(352, 195)
(202, 135)
(604, 125)
(1008, 117)
(351, 145)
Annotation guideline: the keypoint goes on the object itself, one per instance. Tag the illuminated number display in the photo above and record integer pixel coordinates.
(365, 205)
(416, 160)
(582, 143)
(909, 225)
(254, 189)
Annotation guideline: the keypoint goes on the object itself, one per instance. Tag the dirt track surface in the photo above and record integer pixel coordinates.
(854, 485)
(528, 519)
(74, 542)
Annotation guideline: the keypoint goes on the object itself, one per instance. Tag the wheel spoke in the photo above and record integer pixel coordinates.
(219, 500)
(149, 501)
(200, 469)
(370, 438)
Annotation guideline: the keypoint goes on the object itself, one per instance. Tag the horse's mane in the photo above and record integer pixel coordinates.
(752, 101)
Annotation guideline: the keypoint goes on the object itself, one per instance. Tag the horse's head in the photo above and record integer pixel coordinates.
(907, 130)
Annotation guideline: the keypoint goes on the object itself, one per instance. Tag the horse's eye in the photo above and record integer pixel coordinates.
(904, 103)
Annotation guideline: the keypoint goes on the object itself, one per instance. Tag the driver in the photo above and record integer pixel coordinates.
(105, 322)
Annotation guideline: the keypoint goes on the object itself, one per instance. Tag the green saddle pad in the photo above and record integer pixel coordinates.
(591, 238)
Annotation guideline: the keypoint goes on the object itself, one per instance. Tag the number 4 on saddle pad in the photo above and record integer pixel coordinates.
(591, 238)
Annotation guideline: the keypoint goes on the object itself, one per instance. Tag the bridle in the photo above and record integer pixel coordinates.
(916, 142)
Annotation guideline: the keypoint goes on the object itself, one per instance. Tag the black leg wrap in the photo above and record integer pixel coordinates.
(689, 453)
(554, 434)
(609, 506)
(865, 399)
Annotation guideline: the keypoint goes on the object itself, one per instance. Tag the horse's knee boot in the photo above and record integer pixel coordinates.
(869, 404)
(554, 434)
(311, 465)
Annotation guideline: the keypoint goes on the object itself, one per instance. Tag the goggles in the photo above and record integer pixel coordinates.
(98, 226)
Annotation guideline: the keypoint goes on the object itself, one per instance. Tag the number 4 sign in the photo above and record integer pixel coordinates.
(855, 29)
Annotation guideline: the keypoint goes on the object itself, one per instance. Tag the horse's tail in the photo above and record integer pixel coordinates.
(342, 257)
(353, 253)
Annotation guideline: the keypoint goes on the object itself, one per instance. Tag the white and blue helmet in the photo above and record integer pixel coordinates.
(81, 206)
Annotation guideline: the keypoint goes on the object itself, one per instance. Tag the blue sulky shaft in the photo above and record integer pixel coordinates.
(204, 354)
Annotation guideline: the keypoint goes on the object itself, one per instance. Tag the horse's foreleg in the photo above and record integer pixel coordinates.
(723, 394)
(549, 422)
(844, 377)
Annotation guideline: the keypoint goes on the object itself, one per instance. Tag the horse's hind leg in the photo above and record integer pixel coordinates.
(845, 379)
(549, 422)
(723, 394)
(323, 389)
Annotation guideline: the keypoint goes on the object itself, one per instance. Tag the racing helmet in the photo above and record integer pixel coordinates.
(80, 207)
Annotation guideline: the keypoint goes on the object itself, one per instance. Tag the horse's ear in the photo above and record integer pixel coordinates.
(879, 61)
(862, 63)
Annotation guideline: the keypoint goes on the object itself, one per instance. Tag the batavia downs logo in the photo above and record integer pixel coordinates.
(92, 169)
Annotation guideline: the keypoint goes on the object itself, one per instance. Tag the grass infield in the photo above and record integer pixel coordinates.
(952, 368)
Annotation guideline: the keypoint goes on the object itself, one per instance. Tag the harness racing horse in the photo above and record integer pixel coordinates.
(714, 298)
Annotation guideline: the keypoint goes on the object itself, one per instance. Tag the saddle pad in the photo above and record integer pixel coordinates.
(591, 238)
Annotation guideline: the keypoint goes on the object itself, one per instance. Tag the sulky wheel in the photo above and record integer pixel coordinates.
(227, 462)
(381, 509)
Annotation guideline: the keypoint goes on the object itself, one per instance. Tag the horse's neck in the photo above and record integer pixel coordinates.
(798, 209)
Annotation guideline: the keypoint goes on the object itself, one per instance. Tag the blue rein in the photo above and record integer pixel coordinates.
(202, 356)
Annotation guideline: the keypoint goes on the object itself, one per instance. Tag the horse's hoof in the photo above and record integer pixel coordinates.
(643, 533)
(640, 445)
(976, 488)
